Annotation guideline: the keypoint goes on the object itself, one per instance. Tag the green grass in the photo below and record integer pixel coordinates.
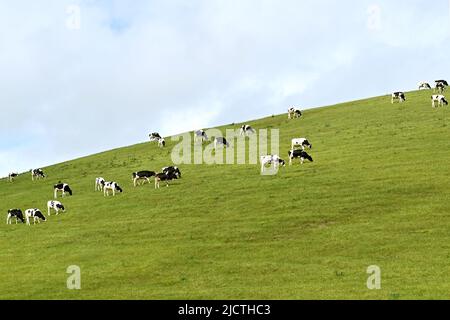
(377, 194)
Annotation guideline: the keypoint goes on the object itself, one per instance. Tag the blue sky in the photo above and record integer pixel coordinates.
(133, 67)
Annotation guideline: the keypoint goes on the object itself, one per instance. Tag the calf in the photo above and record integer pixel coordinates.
(38, 174)
(301, 154)
(400, 96)
(166, 177)
(63, 188)
(201, 134)
(424, 86)
(16, 214)
(246, 130)
(36, 214)
(294, 113)
(302, 142)
(269, 159)
(12, 176)
(440, 99)
(111, 186)
(55, 205)
(154, 136)
(175, 171)
(221, 141)
(99, 184)
(142, 175)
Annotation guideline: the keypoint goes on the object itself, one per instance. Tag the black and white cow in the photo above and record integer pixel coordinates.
(301, 142)
(294, 113)
(166, 177)
(271, 159)
(440, 99)
(246, 130)
(400, 96)
(36, 214)
(38, 174)
(99, 184)
(221, 141)
(444, 82)
(173, 171)
(142, 175)
(111, 186)
(161, 142)
(63, 188)
(301, 154)
(55, 205)
(424, 86)
(440, 87)
(12, 176)
(155, 136)
(201, 134)
(14, 214)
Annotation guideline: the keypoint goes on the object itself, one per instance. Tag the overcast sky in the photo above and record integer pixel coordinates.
(80, 77)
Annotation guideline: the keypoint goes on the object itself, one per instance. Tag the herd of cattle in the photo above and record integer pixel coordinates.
(438, 99)
(297, 151)
(107, 187)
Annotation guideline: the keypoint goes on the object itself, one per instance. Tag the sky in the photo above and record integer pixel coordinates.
(82, 76)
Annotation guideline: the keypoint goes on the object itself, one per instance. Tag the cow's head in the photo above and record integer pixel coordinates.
(307, 144)
(118, 188)
(68, 190)
(444, 101)
(282, 162)
(307, 156)
(39, 214)
(61, 207)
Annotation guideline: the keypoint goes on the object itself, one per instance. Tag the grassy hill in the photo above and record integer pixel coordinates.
(377, 194)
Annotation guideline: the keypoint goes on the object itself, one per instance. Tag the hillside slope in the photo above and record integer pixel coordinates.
(377, 194)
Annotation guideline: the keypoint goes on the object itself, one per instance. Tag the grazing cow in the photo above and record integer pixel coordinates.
(201, 134)
(55, 205)
(424, 86)
(161, 142)
(36, 214)
(175, 171)
(63, 188)
(440, 99)
(440, 87)
(400, 96)
(154, 136)
(444, 82)
(269, 159)
(37, 173)
(221, 141)
(99, 184)
(12, 176)
(301, 154)
(111, 186)
(246, 130)
(142, 175)
(294, 113)
(166, 177)
(16, 214)
(302, 142)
